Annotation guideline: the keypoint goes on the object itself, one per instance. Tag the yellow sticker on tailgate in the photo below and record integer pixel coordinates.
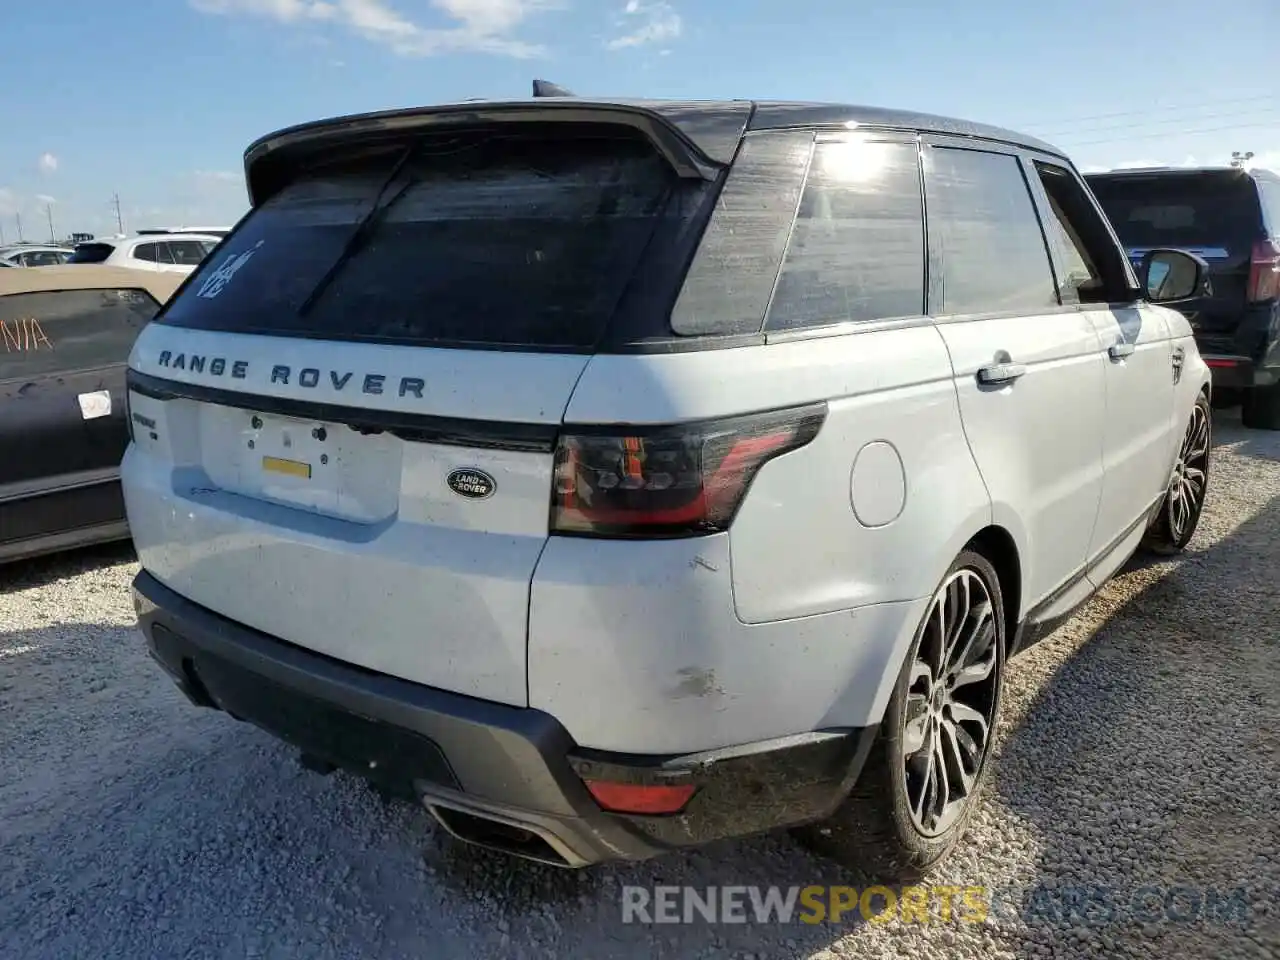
(290, 468)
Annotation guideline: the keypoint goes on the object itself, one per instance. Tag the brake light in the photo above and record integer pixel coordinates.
(1264, 271)
(637, 798)
(669, 481)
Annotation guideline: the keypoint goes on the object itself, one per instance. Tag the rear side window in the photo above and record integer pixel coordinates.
(1193, 210)
(187, 253)
(60, 331)
(489, 239)
(91, 253)
(149, 252)
(985, 234)
(732, 276)
(857, 250)
(1269, 191)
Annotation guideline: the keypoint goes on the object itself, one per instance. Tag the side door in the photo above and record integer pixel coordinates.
(1138, 430)
(62, 419)
(1028, 369)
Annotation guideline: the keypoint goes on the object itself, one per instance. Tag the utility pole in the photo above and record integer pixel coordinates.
(115, 200)
(1239, 159)
(48, 212)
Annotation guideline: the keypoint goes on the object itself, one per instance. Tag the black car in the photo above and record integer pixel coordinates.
(65, 335)
(1231, 218)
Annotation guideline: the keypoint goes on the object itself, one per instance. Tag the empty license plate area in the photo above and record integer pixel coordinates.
(326, 468)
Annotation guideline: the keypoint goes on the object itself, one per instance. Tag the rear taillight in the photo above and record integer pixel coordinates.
(1264, 271)
(656, 799)
(669, 481)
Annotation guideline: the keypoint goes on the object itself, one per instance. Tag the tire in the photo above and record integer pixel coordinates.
(1179, 514)
(1260, 409)
(876, 832)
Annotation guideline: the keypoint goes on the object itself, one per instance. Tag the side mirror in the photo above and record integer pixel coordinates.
(1168, 276)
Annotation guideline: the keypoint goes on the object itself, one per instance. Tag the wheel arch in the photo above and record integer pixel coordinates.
(1001, 550)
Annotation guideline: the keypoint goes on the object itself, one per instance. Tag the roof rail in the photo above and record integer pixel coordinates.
(545, 88)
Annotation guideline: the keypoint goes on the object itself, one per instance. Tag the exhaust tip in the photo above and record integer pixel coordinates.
(500, 835)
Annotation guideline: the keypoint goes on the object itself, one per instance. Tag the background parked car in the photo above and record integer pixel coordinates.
(28, 255)
(163, 253)
(206, 231)
(1231, 218)
(65, 334)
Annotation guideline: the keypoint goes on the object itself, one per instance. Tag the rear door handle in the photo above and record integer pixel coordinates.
(1118, 351)
(997, 373)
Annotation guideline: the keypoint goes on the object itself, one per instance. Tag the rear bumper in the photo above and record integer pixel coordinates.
(1248, 353)
(501, 776)
(1232, 372)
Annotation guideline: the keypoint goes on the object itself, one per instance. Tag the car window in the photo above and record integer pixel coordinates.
(148, 252)
(44, 258)
(732, 276)
(984, 230)
(857, 247)
(53, 332)
(91, 253)
(187, 253)
(1181, 210)
(512, 240)
(1269, 191)
(1094, 267)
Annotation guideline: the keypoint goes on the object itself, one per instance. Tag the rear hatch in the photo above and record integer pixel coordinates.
(353, 403)
(1214, 214)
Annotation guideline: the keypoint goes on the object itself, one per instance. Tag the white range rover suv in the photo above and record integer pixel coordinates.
(612, 477)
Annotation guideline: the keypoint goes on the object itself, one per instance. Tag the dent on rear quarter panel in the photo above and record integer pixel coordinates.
(635, 647)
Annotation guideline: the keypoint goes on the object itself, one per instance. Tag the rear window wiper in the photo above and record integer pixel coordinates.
(360, 235)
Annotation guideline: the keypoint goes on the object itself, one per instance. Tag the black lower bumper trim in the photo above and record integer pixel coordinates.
(502, 776)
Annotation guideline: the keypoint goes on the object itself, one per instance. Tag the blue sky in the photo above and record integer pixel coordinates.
(156, 100)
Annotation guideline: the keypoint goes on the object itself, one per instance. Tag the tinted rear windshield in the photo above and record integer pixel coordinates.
(91, 253)
(482, 239)
(1178, 211)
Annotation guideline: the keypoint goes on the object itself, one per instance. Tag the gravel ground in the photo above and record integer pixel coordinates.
(1141, 755)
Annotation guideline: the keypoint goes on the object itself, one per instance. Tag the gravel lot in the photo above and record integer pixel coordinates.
(1142, 749)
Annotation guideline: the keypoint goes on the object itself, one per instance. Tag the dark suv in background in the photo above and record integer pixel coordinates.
(1231, 218)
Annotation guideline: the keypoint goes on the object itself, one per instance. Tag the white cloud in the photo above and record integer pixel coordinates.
(647, 21)
(481, 26)
(288, 11)
(48, 163)
(45, 200)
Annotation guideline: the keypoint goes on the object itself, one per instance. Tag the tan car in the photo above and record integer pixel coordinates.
(65, 335)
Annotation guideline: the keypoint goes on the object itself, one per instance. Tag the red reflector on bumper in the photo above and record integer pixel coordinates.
(1222, 363)
(638, 798)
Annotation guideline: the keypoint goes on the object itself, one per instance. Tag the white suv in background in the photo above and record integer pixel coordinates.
(166, 253)
(612, 477)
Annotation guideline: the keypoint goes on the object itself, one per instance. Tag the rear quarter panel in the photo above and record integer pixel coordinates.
(797, 619)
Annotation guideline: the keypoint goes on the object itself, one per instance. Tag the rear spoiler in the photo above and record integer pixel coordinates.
(270, 161)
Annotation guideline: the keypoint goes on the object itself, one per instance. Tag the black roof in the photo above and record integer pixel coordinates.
(712, 124)
(713, 127)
